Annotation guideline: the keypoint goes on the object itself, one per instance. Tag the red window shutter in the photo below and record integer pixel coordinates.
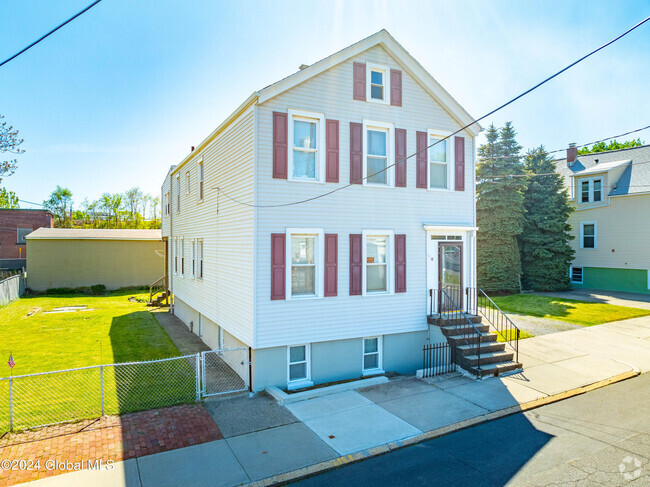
(356, 152)
(400, 263)
(421, 160)
(278, 272)
(331, 264)
(396, 87)
(359, 75)
(400, 158)
(460, 163)
(332, 157)
(279, 145)
(356, 269)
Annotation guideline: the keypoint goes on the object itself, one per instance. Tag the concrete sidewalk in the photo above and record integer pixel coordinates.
(322, 433)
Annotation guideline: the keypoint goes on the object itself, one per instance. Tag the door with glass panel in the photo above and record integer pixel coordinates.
(450, 275)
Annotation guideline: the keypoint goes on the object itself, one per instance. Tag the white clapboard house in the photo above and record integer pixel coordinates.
(336, 287)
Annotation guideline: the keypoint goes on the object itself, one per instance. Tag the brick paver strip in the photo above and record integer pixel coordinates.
(114, 438)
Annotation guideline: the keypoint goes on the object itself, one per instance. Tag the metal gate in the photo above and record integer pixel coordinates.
(224, 371)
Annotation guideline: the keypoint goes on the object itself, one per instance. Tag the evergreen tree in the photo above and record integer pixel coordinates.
(499, 211)
(545, 251)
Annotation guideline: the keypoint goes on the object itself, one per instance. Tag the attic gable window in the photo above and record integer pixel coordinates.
(377, 89)
(591, 190)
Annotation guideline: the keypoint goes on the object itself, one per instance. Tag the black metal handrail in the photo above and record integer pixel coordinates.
(479, 302)
(456, 317)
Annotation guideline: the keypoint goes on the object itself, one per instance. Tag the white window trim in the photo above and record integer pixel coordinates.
(321, 150)
(193, 258)
(181, 260)
(378, 67)
(175, 255)
(380, 357)
(199, 259)
(390, 262)
(582, 235)
(320, 261)
(591, 189)
(187, 181)
(299, 383)
(178, 193)
(200, 178)
(390, 152)
(451, 181)
(167, 203)
(582, 275)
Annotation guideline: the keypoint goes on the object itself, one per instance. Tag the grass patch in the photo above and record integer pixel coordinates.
(510, 335)
(42, 342)
(572, 311)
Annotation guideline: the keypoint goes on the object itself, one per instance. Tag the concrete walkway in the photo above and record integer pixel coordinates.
(186, 341)
(331, 430)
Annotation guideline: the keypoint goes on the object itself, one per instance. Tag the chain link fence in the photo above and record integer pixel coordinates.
(42, 399)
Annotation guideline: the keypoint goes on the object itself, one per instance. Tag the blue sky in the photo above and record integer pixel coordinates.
(115, 97)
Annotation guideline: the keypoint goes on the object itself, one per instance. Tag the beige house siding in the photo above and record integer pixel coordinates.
(225, 294)
(622, 234)
(353, 209)
(71, 263)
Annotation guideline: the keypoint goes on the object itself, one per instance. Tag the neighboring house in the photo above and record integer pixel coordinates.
(337, 287)
(610, 192)
(71, 258)
(15, 225)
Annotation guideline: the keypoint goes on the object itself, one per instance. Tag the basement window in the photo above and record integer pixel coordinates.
(576, 275)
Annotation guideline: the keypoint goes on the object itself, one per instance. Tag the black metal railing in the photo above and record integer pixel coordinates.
(438, 359)
(453, 315)
(481, 304)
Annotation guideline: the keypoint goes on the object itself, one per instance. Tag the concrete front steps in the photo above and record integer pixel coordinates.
(464, 341)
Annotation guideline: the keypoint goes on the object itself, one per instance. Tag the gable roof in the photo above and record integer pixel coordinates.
(401, 55)
(381, 38)
(93, 234)
(635, 178)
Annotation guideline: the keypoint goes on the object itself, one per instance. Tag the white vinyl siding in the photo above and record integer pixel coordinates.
(353, 209)
(225, 229)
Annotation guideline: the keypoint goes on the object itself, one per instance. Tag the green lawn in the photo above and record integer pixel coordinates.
(41, 342)
(569, 310)
(511, 335)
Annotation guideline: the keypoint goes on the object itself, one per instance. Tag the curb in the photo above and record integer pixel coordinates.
(429, 435)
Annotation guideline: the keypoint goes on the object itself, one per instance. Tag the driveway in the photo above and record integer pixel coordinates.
(632, 300)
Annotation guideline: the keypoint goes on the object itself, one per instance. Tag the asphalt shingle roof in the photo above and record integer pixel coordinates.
(635, 179)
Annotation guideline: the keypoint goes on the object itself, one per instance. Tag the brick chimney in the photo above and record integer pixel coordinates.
(571, 153)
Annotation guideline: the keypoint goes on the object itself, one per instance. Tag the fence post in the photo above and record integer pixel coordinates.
(198, 376)
(101, 381)
(11, 404)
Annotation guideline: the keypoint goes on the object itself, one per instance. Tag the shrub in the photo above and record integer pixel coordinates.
(98, 289)
(60, 290)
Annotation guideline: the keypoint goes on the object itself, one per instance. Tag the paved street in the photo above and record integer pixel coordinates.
(581, 441)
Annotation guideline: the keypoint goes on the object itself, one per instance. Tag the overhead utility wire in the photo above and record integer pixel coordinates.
(50, 33)
(448, 136)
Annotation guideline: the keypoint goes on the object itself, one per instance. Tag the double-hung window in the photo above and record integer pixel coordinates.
(377, 83)
(201, 180)
(199, 251)
(439, 159)
(378, 155)
(299, 367)
(591, 190)
(193, 251)
(307, 138)
(178, 194)
(167, 203)
(182, 250)
(187, 179)
(175, 251)
(372, 356)
(378, 262)
(588, 235)
(306, 257)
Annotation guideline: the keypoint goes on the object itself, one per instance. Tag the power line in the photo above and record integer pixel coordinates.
(50, 33)
(519, 156)
(444, 138)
